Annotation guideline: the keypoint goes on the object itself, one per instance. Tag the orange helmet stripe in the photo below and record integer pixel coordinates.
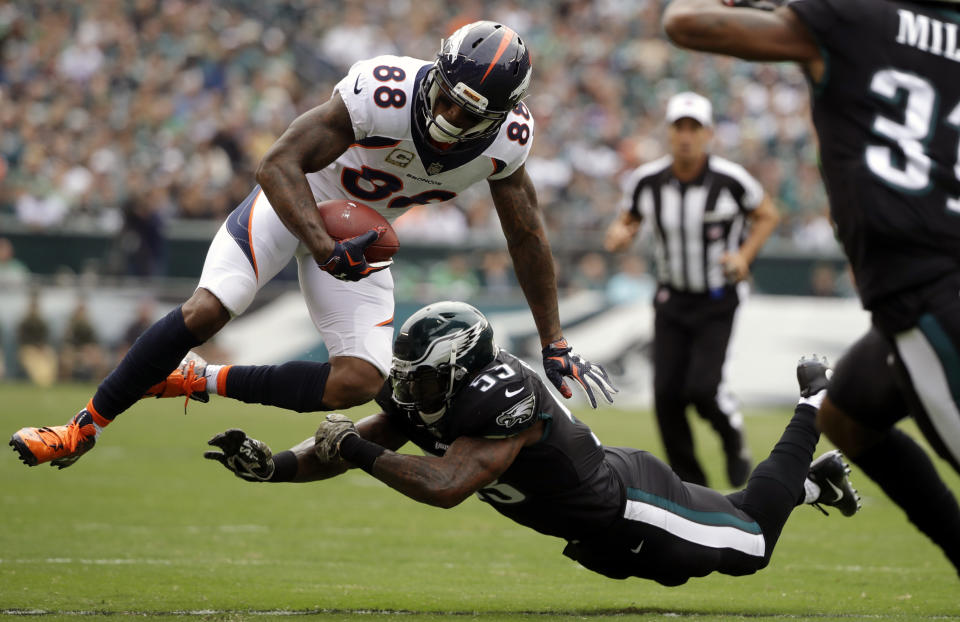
(504, 42)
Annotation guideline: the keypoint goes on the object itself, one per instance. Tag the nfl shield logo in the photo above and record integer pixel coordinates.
(434, 168)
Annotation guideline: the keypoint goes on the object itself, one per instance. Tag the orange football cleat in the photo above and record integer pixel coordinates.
(60, 445)
(187, 380)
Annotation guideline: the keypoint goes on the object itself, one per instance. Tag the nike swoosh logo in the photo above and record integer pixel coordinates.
(639, 546)
(510, 393)
(356, 91)
(836, 490)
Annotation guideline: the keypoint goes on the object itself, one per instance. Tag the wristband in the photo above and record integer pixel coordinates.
(284, 467)
(360, 451)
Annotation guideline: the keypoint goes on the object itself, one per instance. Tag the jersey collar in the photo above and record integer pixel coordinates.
(435, 162)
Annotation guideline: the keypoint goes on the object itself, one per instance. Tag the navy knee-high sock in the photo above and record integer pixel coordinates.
(154, 354)
(297, 385)
(905, 472)
(776, 486)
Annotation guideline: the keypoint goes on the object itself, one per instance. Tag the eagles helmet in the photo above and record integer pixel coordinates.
(438, 349)
(483, 67)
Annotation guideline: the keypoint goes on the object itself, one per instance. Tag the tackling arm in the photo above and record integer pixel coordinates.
(751, 34)
(466, 467)
(314, 140)
(516, 202)
(375, 428)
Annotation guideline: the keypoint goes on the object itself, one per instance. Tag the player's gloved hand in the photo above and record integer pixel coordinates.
(347, 262)
(326, 442)
(763, 5)
(560, 361)
(245, 457)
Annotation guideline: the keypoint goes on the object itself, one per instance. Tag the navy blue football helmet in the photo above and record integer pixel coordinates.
(438, 349)
(483, 67)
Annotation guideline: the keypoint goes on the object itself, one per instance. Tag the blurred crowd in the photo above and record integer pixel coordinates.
(119, 115)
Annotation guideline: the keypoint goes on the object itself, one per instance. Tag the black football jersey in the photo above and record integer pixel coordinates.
(887, 114)
(560, 486)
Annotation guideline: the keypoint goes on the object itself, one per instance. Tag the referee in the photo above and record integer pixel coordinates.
(709, 219)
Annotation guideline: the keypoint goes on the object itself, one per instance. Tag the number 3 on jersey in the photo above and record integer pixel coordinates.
(909, 171)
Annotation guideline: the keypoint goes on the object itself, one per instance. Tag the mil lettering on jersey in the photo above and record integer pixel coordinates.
(928, 34)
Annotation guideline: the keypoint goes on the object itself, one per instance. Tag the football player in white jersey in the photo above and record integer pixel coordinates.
(396, 132)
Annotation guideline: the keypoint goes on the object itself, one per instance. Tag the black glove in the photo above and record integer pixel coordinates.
(560, 361)
(347, 262)
(245, 457)
(763, 5)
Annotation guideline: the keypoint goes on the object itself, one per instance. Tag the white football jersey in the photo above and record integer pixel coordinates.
(389, 167)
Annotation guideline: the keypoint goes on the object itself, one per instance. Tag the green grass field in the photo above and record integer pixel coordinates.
(144, 526)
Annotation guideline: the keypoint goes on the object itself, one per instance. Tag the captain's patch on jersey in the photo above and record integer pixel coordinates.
(400, 157)
(519, 413)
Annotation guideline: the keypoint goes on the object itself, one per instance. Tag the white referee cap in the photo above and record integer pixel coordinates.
(690, 105)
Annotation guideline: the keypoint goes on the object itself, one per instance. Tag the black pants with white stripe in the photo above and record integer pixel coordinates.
(671, 530)
(691, 333)
(909, 364)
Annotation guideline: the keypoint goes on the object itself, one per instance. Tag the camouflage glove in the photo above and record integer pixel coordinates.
(335, 428)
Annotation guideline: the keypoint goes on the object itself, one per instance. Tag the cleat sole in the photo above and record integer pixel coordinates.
(26, 456)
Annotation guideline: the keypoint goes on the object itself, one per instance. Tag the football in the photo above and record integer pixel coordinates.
(346, 219)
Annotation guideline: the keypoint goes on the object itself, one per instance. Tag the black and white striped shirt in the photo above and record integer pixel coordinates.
(693, 223)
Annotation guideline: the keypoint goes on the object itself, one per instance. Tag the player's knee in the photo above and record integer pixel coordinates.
(204, 314)
(351, 382)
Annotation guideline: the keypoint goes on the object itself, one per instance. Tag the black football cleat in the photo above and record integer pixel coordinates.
(831, 474)
(813, 375)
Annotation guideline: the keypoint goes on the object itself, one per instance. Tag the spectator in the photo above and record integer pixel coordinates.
(146, 316)
(36, 356)
(13, 273)
(632, 282)
(224, 83)
(81, 355)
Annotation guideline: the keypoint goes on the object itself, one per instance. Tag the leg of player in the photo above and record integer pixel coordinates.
(301, 386)
(151, 357)
(788, 478)
(248, 250)
(355, 321)
(905, 473)
(862, 424)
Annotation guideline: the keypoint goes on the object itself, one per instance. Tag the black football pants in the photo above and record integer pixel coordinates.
(691, 332)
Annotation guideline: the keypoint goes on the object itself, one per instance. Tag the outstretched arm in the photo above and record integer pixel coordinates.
(252, 460)
(468, 465)
(751, 34)
(516, 202)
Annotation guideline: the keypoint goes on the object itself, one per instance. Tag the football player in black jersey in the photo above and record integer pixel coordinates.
(489, 426)
(886, 107)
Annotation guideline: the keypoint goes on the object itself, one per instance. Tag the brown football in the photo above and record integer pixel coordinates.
(345, 219)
